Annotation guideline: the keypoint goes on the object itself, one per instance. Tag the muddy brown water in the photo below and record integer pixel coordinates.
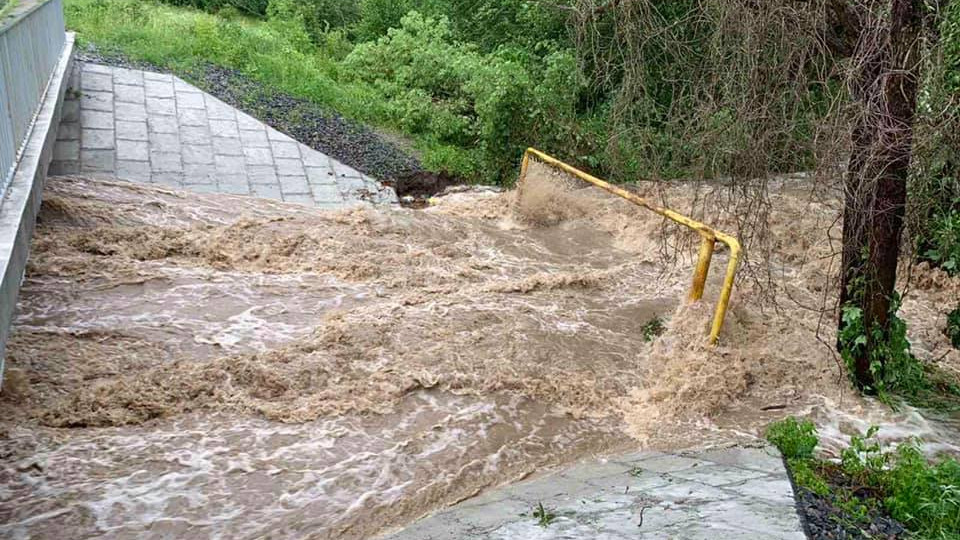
(203, 366)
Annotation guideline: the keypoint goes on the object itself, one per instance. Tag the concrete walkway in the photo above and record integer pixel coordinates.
(723, 493)
(156, 128)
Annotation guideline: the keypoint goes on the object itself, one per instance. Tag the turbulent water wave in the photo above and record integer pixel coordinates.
(337, 374)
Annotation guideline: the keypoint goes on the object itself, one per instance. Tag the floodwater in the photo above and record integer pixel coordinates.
(209, 366)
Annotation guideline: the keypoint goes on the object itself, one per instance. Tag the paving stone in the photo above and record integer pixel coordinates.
(218, 110)
(161, 106)
(67, 151)
(150, 76)
(59, 168)
(289, 167)
(234, 184)
(71, 110)
(164, 142)
(135, 131)
(132, 112)
(229, 165)
(199, 173)
(97, 139)
(283, 149)
(132, 150)
(258, 156)
(96, 82)
(96, 119)
(195, 135)
(169, 179)
(293, 184)
(192, 117)
(275, 135)
(97, 160)
(267, 191)
(247, 122)
(163, 124)
(771, 489)
(165, 162)
(96, 68)
(125, 93)
(68, 131)
(321, 175)
(326, 193)
(182, 86)
(299, 198)
(97, 101)
(138, 171)
(717, 475)
(160, 89)
(761, 459)
(440, 528)
(669, 463)
(753, 516)
(344, 171)
(227, 146)
(254, 139)
(201, 188)
(224, 128)
(198, 154)
(262, 174)
(494, 514)
(129, 77)
(190, 100)
(312, 158)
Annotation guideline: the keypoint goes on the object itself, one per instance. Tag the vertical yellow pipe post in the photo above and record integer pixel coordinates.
(727, 290)
(703, 267)
(523, 174)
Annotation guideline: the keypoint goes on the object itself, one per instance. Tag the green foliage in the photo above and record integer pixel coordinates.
(794, 438)
(924, 497)
(455, 94)
(893, 366)
(953, 327)
(806, 476)
(653, 329)
(944, 237)
(543, 516)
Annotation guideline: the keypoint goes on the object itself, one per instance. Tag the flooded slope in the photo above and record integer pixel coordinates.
(214, 366)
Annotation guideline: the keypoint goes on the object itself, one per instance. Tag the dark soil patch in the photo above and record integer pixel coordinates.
(349, 142)
(827, 518)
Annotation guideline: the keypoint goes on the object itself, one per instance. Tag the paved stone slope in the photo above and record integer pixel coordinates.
(721, 493)
(156, 128)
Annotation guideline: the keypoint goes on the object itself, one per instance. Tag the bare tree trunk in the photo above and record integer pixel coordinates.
(876, 185)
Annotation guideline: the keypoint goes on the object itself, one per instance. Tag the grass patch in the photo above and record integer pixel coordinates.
(872, 478)
(274, 52)
(543, 516)
(653, 329)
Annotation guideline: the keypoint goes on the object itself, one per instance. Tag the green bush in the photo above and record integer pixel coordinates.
(953, 327)
(924, 496)
(499, 102)
(945, 240)
(794, 438)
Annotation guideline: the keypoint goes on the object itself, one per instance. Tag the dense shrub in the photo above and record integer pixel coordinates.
(499, 101)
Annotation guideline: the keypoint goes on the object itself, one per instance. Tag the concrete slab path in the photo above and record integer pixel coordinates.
(734, 492)
(156, 128)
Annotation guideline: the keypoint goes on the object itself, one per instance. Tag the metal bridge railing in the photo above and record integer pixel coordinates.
(31, 42)
(709, 236)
